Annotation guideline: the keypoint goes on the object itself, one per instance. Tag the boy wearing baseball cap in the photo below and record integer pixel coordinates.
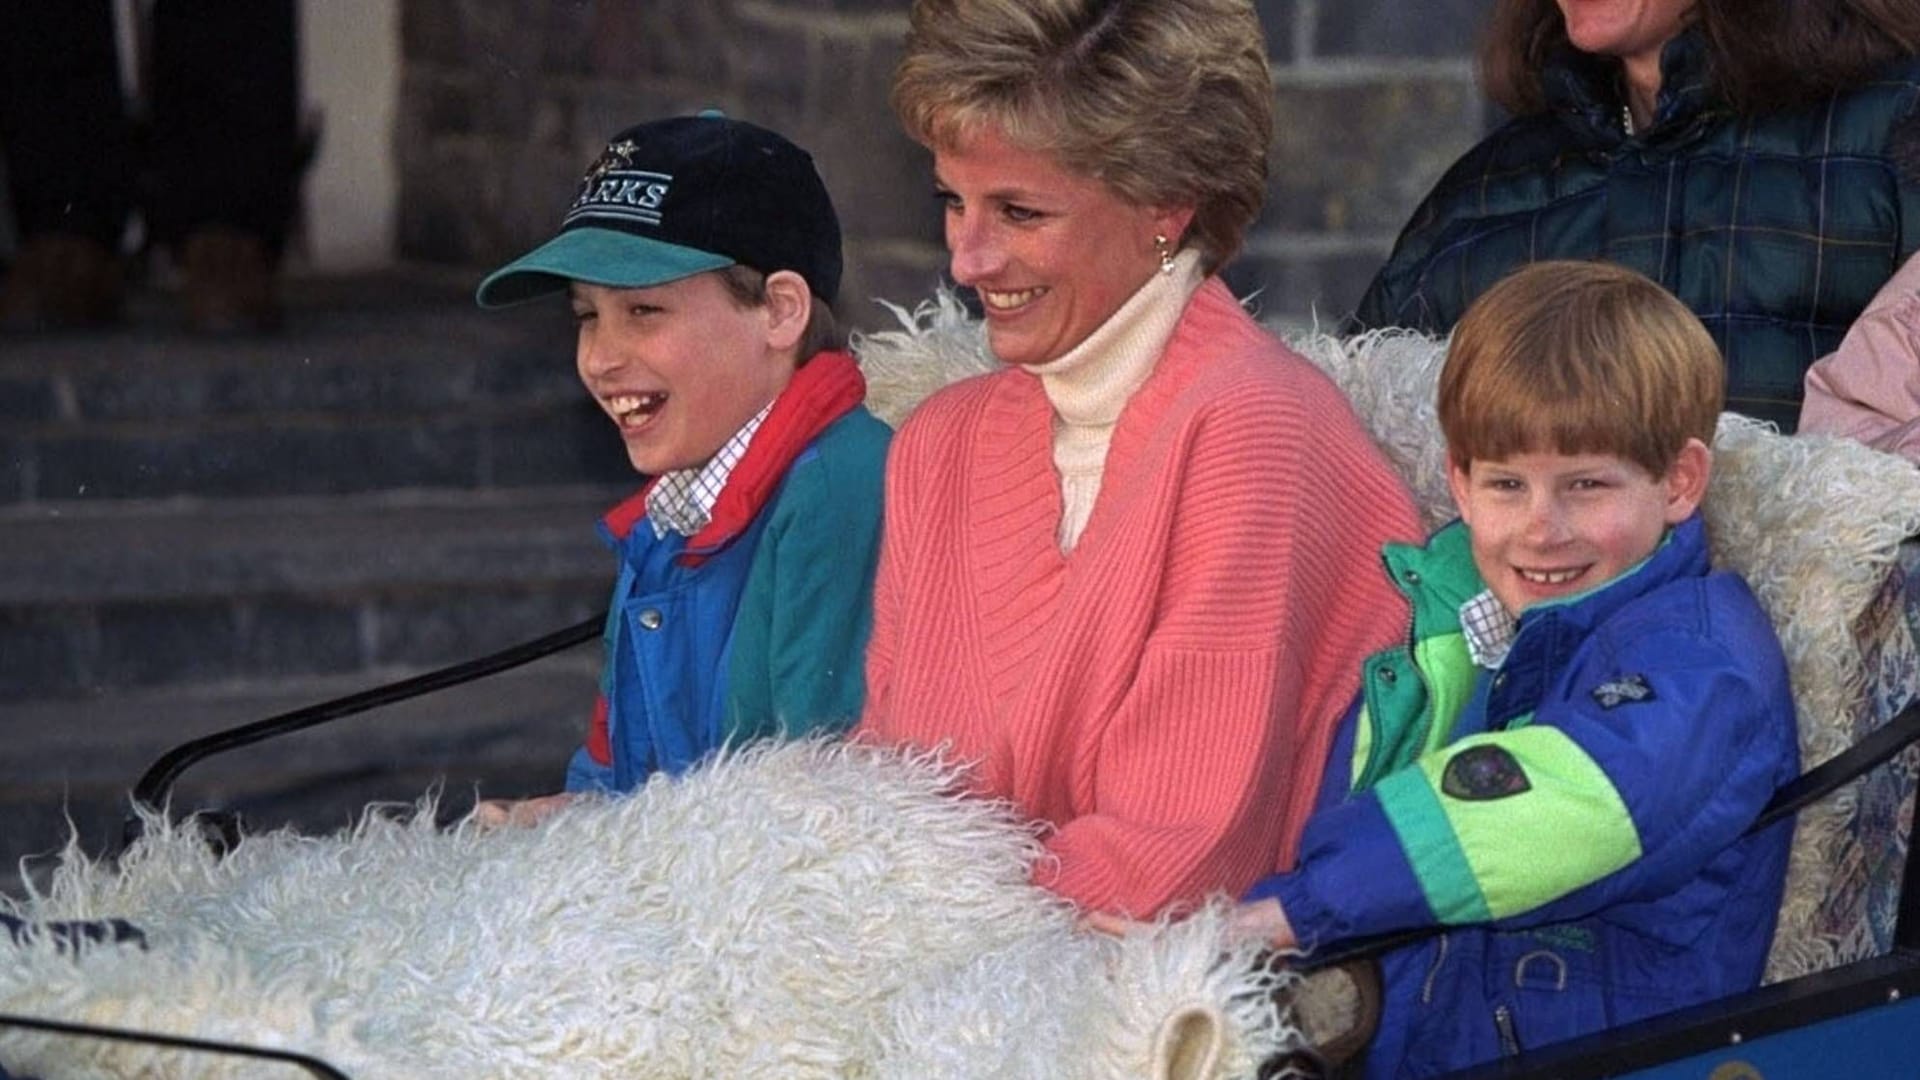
(700, 255)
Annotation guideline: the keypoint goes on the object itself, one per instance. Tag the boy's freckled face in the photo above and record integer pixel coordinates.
(1548, 525)
(679, 367)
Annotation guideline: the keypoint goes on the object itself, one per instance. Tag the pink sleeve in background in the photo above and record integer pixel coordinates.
(1869, 388)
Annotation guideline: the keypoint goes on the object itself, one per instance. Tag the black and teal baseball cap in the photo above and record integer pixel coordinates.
(673, 198)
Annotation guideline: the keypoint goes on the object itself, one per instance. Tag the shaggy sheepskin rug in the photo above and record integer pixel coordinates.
(802, 910)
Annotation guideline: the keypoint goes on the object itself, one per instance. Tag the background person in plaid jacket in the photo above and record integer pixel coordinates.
(1760, 159)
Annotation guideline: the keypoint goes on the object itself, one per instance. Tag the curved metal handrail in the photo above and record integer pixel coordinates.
(313, 1065)
(156, 784)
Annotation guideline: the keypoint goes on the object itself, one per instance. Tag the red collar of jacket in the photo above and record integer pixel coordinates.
(821, 391)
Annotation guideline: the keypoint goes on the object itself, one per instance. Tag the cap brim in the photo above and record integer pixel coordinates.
(598, 257)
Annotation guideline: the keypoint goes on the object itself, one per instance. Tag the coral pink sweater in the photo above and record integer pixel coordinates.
(1164, 696)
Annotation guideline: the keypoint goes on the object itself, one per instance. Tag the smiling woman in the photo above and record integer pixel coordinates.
(1128, 577)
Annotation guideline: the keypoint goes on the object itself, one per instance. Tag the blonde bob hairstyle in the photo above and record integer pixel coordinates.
(1579, 358)
(1166, 102)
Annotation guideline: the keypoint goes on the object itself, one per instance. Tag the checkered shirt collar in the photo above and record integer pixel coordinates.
(682, 501)
(1490, 629)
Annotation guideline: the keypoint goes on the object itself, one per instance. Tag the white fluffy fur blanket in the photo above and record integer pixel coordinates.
(805, 910)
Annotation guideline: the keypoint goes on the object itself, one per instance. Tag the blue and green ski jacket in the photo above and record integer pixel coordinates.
(1572, 821)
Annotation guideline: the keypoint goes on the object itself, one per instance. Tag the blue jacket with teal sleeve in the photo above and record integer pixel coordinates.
(1571, 821)
(757, 625)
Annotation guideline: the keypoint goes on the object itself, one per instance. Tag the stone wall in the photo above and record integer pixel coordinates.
(504, 101)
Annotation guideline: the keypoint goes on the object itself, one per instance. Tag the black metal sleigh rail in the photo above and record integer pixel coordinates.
(313, 1066)
(155, 786)
(152, 791)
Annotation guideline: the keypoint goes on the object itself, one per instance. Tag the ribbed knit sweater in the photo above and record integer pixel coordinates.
(1163, 697)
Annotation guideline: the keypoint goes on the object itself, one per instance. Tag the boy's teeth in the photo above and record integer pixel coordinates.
(1005, 300)
(1549, 577)
(625, 405)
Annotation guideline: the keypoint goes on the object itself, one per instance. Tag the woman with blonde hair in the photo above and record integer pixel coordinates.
(1760, 159)
(1129, 576)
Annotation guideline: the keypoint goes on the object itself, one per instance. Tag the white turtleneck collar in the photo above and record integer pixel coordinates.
(1089, 385)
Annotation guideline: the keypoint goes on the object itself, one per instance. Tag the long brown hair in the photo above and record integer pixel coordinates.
(1761, 54)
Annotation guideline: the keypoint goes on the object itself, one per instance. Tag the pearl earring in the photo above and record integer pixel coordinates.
(1165, 247)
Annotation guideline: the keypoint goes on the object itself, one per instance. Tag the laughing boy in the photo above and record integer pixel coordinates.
(700, 256)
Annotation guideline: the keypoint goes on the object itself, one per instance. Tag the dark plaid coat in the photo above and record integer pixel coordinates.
(1775, 230)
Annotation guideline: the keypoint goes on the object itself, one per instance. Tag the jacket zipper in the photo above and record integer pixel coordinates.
(1509, 1039)
(1369, 771)
(1433, 971)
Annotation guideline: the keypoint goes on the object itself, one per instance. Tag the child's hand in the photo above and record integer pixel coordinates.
(520, 813)
(1263, 919)
(1113, 925)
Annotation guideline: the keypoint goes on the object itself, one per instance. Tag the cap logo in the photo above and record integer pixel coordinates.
(617, 155)
(613, 187)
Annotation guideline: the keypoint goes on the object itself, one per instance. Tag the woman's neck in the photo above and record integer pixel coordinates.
(1090, 383)
(1642, 77)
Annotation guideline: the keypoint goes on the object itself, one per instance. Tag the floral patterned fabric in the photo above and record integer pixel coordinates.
(1865, 901)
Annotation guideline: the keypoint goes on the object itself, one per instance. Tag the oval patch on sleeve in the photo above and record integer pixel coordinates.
(1484, 772)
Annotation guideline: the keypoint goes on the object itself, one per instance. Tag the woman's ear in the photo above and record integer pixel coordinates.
(1172, 221)
(789, 304)
(1686, 480)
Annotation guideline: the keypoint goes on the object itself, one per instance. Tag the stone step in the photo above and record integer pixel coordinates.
(109, 596)
(385, 382)
(68, 765)
(197, 533)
